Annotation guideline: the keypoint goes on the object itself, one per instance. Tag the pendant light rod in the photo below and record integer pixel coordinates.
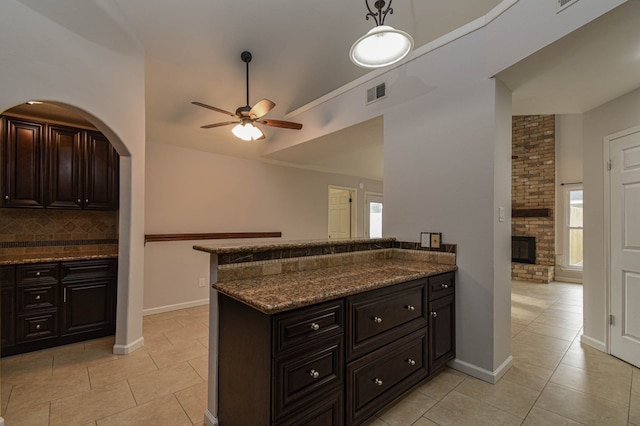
(378, 16)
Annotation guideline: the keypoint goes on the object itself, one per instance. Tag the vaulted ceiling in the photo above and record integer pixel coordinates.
(300, 52)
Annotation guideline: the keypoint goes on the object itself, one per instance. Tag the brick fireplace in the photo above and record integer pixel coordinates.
(533, 194)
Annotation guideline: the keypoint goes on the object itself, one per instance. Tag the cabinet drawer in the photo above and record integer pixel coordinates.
(379, 377)
(35, 327)
(88, 269)
(441, 285)
(381, 316)
(307, 325)
(306, 376)
(327, 413)
(33, 297)
(37, 274)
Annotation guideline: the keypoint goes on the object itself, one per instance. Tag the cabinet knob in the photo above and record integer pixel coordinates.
(79, 201)
(38, 274)
(314, 374)
(314, 326)
(411, 361)
(38, 326)
(434, 314)
(377, 381)
(445, 286)
(38, 297)
(86, 201)
(6, 197)
(377, 320)
(410, 308)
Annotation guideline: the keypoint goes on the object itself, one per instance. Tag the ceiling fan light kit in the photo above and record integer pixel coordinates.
(245, 128)
(383, 45)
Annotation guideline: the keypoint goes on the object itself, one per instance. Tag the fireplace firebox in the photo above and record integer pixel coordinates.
(523, 249)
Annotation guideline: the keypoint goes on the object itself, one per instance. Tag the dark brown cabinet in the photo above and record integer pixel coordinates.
(335, 363)
(7, 306)
(442, 316)
(50, 304)
(55, 166)
(22, 163)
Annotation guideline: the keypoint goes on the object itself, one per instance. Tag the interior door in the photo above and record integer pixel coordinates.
(624, 190)
(340, 201)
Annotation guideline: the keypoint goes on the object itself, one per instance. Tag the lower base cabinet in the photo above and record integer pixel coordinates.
(51, 304)
(334, 363)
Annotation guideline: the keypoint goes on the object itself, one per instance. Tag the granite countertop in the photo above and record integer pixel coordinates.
(25, 258)
(273, 294)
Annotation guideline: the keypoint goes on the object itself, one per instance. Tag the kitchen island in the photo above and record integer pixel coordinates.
(324, 332)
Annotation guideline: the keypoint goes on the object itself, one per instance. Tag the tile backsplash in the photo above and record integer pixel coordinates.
(50, 226)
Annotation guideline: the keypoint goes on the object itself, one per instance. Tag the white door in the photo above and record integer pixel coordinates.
(340, 201)
(373, 215)
(624, 193)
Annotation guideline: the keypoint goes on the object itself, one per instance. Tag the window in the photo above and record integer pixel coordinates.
(373, 215)
(574, 232)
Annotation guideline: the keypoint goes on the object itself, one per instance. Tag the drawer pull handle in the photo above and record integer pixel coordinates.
(411, 362)
(314, 374)
(434, 314)
(38, 297)
(377, 381)
(410, 308)
(445, 285)
(315, 326)
(377, 320)
(38, 326)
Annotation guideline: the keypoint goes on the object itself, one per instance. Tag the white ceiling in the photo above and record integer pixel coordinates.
(300, 52)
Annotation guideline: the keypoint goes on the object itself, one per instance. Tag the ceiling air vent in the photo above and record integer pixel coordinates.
(563, 4)
(376, 93)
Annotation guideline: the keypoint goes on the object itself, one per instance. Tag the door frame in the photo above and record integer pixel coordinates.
(354, 208)
(366, 210)
(607, 226)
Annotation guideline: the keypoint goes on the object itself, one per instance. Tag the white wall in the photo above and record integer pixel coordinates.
(191, 191)
(81, 56)
(568, 171)
(617, 115)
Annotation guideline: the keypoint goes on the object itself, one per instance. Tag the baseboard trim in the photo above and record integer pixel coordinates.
(169, 308)
(480, 373)
(209, 419)
(596, 344)
(127, 349)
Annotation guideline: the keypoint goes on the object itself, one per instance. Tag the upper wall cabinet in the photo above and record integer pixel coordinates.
(55, 166)
(22, 163)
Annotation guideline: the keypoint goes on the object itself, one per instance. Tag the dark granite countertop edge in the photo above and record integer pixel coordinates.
(45, 258)
(226, 248)
(319, 296)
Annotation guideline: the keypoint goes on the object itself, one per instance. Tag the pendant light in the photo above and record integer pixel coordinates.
(383, 45)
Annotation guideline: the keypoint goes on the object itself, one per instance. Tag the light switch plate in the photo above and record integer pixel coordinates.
(435, 239)
(425, 239)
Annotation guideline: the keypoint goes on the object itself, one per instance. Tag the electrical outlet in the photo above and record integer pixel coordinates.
(425, 240)
(201, 282)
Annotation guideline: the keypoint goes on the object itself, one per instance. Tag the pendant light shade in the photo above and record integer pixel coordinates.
(382, 45)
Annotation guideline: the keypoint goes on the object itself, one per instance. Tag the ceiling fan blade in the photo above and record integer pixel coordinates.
(225, 123)
(261, 108)
(213, 108)
(282, 124)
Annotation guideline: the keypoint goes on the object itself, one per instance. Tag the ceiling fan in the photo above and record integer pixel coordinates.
(247, 115)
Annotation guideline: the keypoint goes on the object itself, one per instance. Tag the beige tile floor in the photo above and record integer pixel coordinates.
(554, 381)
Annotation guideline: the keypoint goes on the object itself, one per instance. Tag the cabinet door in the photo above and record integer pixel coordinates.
(64, 168)
(88, 306)
(22, 151)
(7, 314)
(442, 340)
(101, 173)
